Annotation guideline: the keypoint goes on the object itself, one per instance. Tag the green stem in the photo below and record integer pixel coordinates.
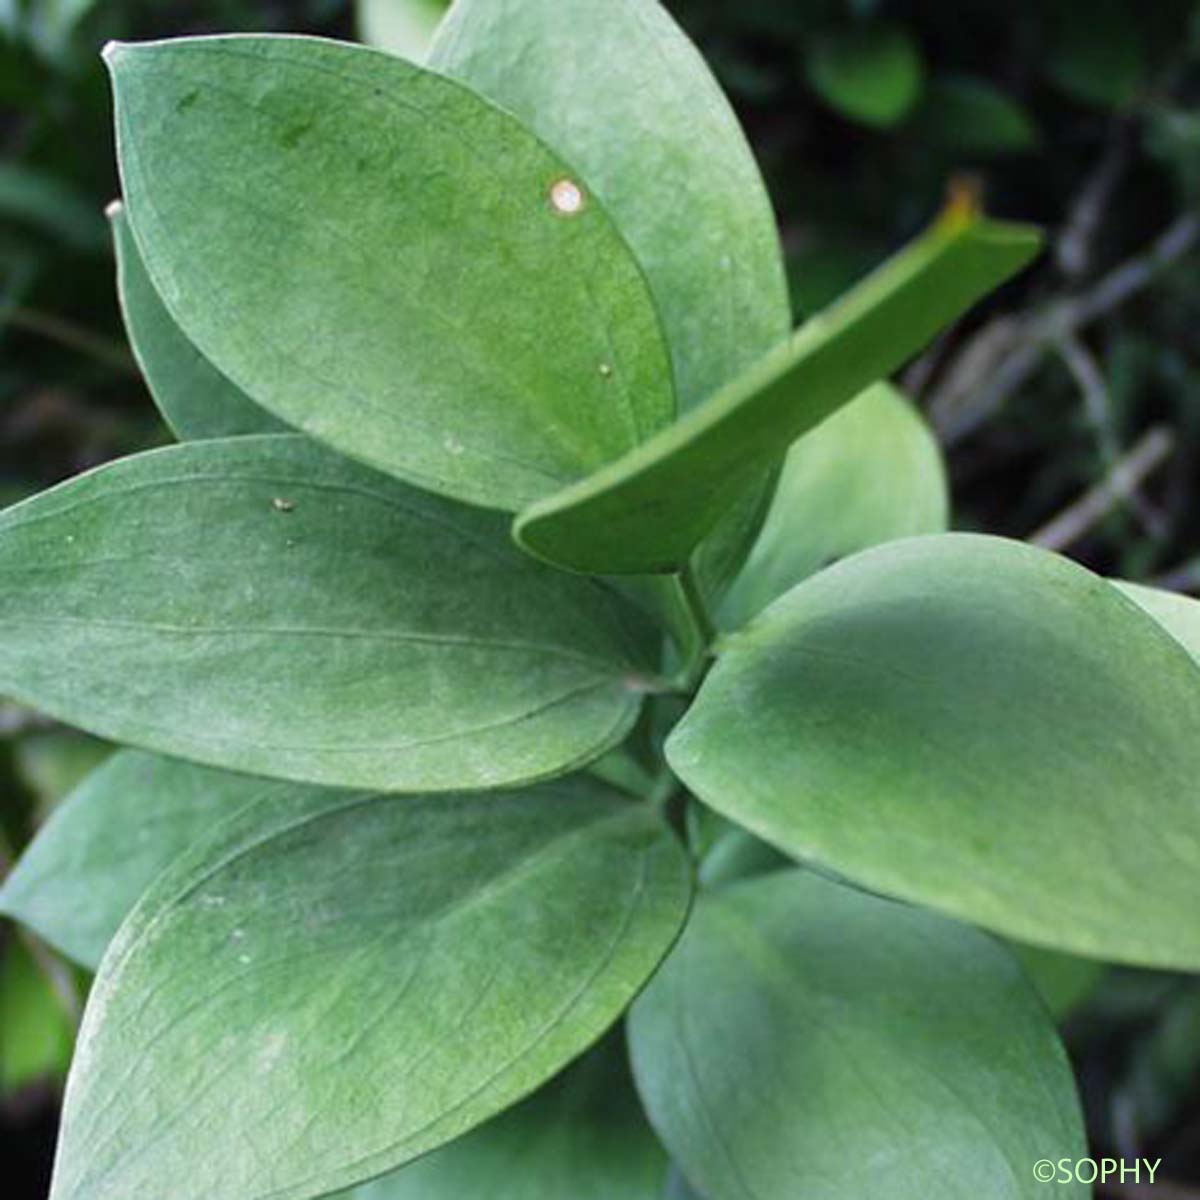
(700, 630)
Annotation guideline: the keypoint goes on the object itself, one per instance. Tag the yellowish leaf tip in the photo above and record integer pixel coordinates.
(964, 202)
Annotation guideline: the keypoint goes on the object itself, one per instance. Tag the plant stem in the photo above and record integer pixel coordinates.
(701, 628)
(697, 606)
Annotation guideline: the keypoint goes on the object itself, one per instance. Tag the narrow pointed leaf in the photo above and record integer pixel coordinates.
(582, 1136)
(194, 398)
(647, 511)
(339, 983)
(972, 724)
(108, 841)
(496, 337)
(621, 93)
(806, 1039)
(870, 474)
(264, 605)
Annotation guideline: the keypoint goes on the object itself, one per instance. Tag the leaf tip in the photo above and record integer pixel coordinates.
(112, 51)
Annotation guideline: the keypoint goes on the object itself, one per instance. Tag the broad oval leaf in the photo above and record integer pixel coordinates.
(339, 983)
(264, 605)
(582, 1136)
(873, 74)
(111, 837)
(806, 1039)
(449, 303)
(871, 473)
(194, 398)
(972, 724)
(620, 91)
(647, 511)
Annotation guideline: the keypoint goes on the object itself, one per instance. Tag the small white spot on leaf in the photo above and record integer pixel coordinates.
(282, 505)
(567, 198)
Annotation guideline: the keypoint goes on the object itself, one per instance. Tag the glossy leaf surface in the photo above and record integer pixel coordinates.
(495, 336)
(337, 984)
(647, 511)
(266, 606)
(806, 1039)
(972, 724)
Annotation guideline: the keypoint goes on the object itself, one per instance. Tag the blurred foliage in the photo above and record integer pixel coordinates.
(1069, 406)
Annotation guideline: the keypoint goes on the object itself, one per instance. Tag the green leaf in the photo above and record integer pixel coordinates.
(1097, 56)
(1178, 615)
(339, 983)
(972, 724)
(806, 1039)
(582, 1136)
(968, 114)
(434, 307)
(264, 605)
(871, 473)
(195, 399)
(1062, 980)
(403, 27)
(647, 511)
(53, 762)
(872, 74)
(36, 1032)
(110, 839)
(621, 93)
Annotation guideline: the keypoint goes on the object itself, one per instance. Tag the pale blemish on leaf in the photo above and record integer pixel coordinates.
(567, 197)
(280, 504)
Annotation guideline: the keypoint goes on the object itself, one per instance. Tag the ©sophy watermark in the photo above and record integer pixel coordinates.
(1095, 1170)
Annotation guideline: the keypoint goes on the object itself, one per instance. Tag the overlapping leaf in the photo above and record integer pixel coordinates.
(806, 1039)
(339, 983)
(388, 262)
(582, 1136)
(621, 93)
(195, 399)
(972, 724)
(264, 605)
(647, 511)
(404, 27)
(108, 841)
(871, 473)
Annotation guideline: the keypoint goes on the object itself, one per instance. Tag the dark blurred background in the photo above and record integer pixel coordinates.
(1069, 405)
